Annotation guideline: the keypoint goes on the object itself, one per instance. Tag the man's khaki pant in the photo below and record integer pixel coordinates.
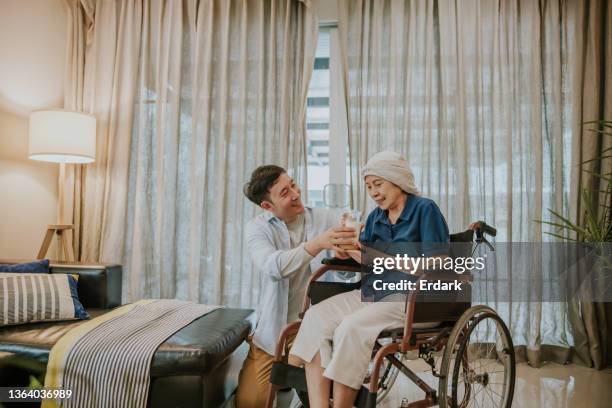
(254, 379)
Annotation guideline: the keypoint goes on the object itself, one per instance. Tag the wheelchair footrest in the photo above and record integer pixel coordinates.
(285, 375)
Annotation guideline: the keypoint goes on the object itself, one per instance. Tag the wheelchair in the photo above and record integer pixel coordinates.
(470, 353)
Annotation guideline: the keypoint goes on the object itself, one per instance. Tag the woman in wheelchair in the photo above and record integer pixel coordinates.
(336, 337)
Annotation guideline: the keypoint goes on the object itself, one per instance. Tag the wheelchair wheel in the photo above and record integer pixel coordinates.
(478, 366)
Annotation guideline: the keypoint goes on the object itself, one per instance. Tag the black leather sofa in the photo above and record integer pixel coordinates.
(196, 367)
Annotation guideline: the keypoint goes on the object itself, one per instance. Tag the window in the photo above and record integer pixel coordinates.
(326, 131)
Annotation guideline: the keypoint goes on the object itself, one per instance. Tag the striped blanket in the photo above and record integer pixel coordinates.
(106, 361)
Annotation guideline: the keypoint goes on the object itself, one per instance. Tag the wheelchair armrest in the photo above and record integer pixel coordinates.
(329, 264)
(341, 262)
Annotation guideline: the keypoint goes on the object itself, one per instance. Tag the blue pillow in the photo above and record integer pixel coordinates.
(41, 266)
(79, 310)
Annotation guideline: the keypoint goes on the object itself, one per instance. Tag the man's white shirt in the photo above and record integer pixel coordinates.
(269, 246)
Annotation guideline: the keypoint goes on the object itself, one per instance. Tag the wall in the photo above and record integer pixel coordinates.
(32, 53)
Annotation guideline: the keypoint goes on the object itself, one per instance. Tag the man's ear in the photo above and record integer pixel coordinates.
(266, 205)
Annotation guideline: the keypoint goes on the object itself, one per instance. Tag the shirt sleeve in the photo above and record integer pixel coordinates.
(276, 263)
(434, 231)
(293, 260)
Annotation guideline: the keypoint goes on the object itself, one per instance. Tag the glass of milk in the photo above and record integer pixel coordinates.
(351, 219)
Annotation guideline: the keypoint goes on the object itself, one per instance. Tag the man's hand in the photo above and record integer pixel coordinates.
(331, 239)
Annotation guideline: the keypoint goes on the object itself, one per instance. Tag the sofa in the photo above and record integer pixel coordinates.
(198, 366)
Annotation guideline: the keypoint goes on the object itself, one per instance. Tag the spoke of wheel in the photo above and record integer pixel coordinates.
(493, 391)
(489, 363)
(475, 399)
(485, 339)
(478, 392)
(491, 397)
(492, 360)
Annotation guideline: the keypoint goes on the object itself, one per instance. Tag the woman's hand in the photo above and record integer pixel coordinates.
(355, 253)
(474, 226)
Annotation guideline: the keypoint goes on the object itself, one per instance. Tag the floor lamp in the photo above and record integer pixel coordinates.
(62, 137)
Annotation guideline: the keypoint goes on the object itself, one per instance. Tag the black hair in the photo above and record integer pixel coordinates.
(262, 179)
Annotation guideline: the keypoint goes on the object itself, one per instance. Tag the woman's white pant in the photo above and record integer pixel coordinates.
(343, 329)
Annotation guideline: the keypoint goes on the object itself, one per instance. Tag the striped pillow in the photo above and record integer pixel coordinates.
(26, 298)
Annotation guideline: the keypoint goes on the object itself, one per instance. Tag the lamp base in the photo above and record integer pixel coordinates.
(64, 245)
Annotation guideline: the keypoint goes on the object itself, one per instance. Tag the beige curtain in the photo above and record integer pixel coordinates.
(480, 97)
(591, 322)
(101, 72)
(190, 97)
(222, 89)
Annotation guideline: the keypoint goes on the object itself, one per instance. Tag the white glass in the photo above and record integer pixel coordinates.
(351, 219)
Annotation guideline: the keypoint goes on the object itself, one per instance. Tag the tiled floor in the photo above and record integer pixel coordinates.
(551, 386)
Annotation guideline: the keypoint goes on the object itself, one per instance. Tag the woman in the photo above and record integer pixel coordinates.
(345, 323)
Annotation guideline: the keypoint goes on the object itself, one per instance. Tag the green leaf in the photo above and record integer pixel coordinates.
(553, 224)
(560, 236)
(606, 149)
(603, 123)
(596, 159)
(598, 175)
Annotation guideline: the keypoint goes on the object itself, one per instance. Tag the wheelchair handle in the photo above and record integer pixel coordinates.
(484, 228)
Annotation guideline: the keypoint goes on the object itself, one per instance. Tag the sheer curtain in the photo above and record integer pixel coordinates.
(222, 89)
(101, 73)
(478, 96)
(190, 97)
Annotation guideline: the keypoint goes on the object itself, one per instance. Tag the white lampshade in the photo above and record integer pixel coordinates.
(62, 136)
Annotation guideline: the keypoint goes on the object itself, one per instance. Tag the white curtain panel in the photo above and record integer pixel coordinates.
(478, 96)
(221, 89)
(101, 75)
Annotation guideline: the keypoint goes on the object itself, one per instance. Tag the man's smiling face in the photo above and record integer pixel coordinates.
(284, 199)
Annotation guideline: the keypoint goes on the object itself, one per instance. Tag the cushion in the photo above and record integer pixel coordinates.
(41, 266)
(29, 297)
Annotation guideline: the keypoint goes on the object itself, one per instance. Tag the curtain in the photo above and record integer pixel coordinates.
(190, 96)
(480, 97)
(101, 61)
(221, 89)
(591, 321)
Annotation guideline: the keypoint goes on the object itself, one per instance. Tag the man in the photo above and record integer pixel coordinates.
(287, 243)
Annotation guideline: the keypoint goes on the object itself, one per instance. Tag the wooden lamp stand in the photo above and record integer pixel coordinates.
(64, 243)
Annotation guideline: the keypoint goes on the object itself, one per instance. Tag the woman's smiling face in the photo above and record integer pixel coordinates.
(383, 192)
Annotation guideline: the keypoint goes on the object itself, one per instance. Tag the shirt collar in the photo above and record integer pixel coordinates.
(270, 217)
